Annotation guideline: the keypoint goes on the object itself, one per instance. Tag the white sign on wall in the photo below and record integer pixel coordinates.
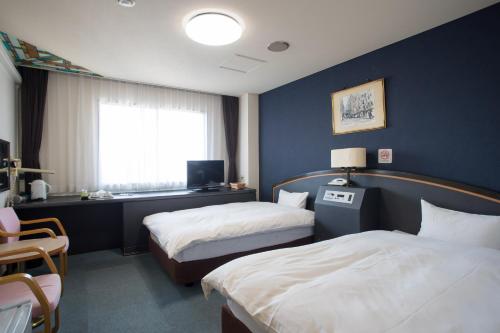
(385, 155)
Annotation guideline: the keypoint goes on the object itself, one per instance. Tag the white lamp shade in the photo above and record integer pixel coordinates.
(349, 158)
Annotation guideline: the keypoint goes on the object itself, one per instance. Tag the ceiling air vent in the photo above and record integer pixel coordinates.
(242, 64)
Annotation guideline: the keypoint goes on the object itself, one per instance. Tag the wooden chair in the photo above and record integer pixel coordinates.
(10, 231)
(44, 291)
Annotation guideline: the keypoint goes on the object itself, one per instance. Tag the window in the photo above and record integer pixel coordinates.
(120, 136)
(145, 149)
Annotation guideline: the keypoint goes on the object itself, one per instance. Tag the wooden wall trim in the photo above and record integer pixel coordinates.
(435, 182)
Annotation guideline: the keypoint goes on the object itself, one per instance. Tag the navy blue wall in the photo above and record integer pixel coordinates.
(442, 90)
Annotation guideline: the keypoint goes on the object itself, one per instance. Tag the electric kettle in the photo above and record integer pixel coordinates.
(39, 189)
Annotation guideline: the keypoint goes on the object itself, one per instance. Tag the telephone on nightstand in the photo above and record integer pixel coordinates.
(338, 182)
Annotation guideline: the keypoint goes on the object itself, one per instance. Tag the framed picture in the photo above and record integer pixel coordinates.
(357, 109)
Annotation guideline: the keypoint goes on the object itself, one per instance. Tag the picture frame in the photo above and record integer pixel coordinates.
(358, 109)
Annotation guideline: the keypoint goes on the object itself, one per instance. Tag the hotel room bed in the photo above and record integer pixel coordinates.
(446, 279)
(190, 243)
(376, 281)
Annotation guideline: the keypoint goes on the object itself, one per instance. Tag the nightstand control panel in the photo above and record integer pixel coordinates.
(341, 211)
(338, 196)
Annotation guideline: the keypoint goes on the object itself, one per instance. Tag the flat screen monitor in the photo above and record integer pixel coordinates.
(4, 165)
(205, 174)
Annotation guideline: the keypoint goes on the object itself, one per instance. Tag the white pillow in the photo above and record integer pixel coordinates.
(293, 199)
(449, 225)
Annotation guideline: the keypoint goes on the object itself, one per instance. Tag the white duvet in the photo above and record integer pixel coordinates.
(178, 230)
(376, 281)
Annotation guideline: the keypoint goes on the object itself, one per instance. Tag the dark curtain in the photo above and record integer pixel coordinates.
(33, 93)
(230, 110)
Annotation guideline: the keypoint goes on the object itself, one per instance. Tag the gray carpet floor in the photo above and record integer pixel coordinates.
(107, 292)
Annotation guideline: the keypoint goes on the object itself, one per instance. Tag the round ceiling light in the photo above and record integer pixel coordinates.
(126, 3)
(213, 29)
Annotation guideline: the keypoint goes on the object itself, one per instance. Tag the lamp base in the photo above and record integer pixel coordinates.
(348, 170)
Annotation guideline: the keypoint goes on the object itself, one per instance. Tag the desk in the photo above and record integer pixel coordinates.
(94, 225)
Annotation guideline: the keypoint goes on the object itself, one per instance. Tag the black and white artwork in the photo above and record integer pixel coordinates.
(359, 108)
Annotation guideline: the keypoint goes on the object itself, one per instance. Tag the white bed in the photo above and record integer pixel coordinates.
(376, 281)
(212, 231)
(220, 247)
(190, 243)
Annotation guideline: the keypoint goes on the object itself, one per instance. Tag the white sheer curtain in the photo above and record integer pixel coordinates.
(106, 134)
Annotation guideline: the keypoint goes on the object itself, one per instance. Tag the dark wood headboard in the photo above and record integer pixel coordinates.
(400, 195)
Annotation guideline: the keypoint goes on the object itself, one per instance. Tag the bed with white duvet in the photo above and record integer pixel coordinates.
(190, 243)
(250, 224)
(376, 281)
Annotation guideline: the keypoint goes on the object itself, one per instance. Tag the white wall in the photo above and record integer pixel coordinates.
(9, 78)
(248, 140)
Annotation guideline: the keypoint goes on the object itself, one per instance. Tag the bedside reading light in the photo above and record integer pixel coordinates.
(348, 159)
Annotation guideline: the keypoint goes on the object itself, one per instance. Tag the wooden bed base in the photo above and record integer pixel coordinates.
(231, 324)
(191, 271)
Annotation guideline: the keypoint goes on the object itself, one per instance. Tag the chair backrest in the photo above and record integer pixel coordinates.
(9, 222)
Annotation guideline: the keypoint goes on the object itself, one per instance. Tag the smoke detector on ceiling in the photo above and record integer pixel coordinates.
(278, 46)
(126, 3)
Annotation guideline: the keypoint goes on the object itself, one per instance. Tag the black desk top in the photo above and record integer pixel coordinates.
(72, 200)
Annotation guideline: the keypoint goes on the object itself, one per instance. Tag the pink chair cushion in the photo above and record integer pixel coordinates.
(66, 239)
(9, 222)
(16, 292)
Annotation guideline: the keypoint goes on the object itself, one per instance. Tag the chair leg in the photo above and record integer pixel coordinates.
(20, 267)
(61, 264)
(61, 270)
(63, 256)
(57, 318)
(65, 263)
(47, 324)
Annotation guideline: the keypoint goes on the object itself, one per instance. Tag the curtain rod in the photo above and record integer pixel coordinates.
(127, 81)
(158, 85)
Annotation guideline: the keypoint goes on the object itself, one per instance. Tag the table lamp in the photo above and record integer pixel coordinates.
(348, 159)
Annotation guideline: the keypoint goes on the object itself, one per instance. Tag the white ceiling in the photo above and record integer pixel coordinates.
(147, 43)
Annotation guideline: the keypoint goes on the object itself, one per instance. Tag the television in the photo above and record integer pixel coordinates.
(4, 165)
(205, 175)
